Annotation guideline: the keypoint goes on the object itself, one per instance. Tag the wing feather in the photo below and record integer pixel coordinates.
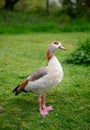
(38, 74)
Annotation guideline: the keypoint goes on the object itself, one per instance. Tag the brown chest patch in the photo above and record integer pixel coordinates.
(49, 54)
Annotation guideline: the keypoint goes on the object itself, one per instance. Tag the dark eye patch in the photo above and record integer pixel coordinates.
(56, 42)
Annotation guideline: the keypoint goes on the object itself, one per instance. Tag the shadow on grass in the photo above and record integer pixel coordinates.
(18, 110)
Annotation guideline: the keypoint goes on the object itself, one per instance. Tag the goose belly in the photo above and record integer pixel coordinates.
(41, 85)
(44, 84)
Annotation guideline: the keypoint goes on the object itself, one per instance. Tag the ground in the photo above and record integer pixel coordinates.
(20, 55)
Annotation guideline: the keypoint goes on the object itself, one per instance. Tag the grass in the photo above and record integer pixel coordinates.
(21, 22)
(22, 54)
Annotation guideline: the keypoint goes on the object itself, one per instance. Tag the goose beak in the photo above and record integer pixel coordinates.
(62, 48)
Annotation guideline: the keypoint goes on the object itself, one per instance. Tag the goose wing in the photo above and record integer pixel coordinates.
(32, 77)
(38, 74)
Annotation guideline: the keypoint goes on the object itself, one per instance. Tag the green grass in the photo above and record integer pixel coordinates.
(22, 54)
(21, 22)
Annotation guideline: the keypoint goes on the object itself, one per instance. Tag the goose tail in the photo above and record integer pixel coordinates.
(20, 87)
(16, 90)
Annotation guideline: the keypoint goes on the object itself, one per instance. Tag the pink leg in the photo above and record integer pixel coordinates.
(46, 108)
(41, 110)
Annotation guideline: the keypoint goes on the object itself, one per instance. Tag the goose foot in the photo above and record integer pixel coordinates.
(48, 108)
(43, 109)
(43, 112)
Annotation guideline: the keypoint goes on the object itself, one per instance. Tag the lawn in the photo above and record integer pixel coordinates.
(20, 55)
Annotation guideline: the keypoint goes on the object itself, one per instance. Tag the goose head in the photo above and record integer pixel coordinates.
(56, 45)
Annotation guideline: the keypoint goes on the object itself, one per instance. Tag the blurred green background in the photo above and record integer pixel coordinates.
(24, 16)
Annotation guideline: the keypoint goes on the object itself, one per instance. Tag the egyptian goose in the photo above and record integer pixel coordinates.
(44, 79)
